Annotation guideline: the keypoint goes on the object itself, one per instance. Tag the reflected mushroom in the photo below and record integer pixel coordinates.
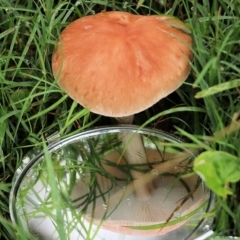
(117, 64)
(122, 212)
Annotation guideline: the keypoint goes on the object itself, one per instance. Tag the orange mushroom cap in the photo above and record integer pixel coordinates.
(118, 64)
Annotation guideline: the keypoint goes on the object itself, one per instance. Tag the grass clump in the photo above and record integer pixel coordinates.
(33, 107)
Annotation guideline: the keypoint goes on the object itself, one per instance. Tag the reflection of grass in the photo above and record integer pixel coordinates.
(57, 175)
(47, 189)
(32, 105)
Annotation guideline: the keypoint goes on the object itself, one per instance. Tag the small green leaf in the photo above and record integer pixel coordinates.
(218, 169)
(140, 3)
(218, 88)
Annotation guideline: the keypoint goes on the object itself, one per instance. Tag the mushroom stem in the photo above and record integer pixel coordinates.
(135, 154)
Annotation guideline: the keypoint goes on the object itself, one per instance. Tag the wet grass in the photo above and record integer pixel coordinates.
(32, 106)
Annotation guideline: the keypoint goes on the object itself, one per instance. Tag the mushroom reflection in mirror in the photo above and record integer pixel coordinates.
(116, 208)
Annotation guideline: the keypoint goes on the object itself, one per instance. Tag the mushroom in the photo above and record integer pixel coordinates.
(117, 64)
(120, 211)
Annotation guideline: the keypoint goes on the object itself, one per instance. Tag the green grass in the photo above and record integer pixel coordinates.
(32, 106)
